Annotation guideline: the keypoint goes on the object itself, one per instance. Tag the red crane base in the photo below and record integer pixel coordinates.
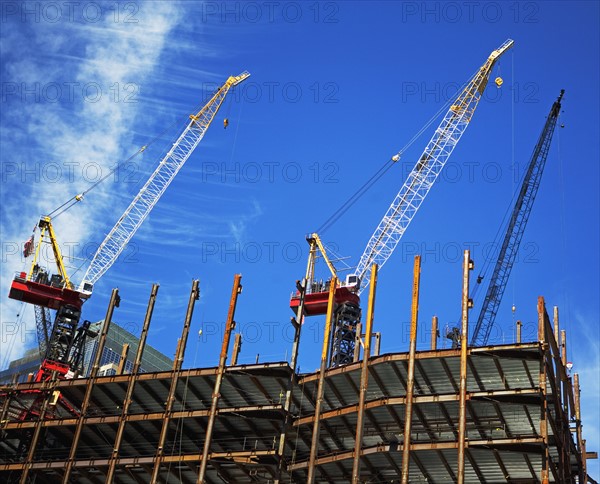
(315, 303)
(44, 295)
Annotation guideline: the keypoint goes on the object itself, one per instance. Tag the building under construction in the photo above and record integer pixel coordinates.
(508, 413)
(505, 413)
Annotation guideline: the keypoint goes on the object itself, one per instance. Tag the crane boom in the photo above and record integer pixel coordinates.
(420, 180)
(150, 193)
(515, 230)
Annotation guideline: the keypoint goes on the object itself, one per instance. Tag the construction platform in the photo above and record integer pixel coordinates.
(517, 419)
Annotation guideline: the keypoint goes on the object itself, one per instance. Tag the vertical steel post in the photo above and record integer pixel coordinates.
(130, 385)
(519, 330)
(123, 359)
(36, 435)
(544, 473)
(462, 405)
(237, 347)
(563, 345)
(297, 322)
(314, 445)
(410, 380)
(565, 383)
(377, 343)
(179, 356)
(357, 342)
(434, 332)
(580, 441)
(364, 377)
(556, 326)
(114, 302)
(229, 327)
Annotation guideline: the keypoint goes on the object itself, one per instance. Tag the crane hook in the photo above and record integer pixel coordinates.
(225, 123)
(499, 81)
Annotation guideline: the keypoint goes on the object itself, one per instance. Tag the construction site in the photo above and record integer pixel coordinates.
(475, 412)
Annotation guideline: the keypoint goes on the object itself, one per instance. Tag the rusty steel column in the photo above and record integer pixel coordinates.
(177, 363)
(580, 441)
(114, 302)
(556, 325)
(357, 342)
(314, 445)
(36, 434)
(229, 327)
(563, 346)
(519, 330)
(410, 379)
(565, 383)
(364, 377)
(544, 472)
(434, 332)
(297, 323)
(462, 405)
(237, 347)
(377, 343)
(123, 360)
(130, 385)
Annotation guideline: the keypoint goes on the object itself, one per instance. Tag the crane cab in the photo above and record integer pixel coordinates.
(317, 298)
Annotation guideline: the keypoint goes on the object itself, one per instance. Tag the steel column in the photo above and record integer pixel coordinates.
(123, 360)
(314, 446)
(36, 435)
(364, 377)
(519, 330)
(434, 332)
(544, 472)
(462, 405)
(130, 385)
(114, 302)
(580, 442)
(237, 347)
(229, 327)
(556, 325)
(357, 342)
(179, 355)
(297, 322)
(410, 380)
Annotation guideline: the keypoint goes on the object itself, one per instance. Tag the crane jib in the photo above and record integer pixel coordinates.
(405, 205)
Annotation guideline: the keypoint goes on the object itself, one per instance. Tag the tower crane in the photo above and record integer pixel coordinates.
(64, 341)
(515, 229)
(402, 210)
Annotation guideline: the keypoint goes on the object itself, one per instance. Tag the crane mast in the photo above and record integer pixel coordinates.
(150, 193)
(388, 233)
(516, 228)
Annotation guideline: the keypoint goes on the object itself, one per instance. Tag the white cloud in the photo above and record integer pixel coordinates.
(89, 128)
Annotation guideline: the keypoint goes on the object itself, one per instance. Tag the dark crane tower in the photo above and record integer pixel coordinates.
(515, 230)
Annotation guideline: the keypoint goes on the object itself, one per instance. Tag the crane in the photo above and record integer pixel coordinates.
(405, 205)
(64, 341)
(515, 229)
(400, 213)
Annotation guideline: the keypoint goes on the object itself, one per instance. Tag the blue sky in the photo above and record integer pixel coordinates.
(336, 89)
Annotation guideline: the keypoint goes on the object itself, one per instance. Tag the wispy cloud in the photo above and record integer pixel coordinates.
(67, 110)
